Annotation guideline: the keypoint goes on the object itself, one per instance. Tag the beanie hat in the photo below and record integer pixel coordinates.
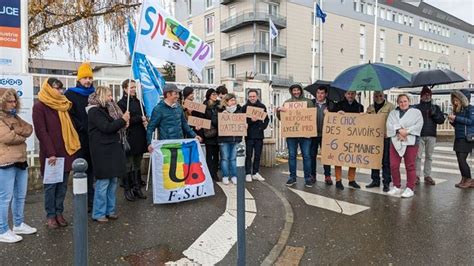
(425, 90)
(209, 92)
(84, 71)
(170, 87)
(187, 91)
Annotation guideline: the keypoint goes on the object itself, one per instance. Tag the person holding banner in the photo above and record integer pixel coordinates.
(296, 92)
(228, 144)
(168, 117)
(348, 105)
(136, 137)
(404, 126)
(323, 105)
(254, 138)
(210, 135)
(79, 97)
(188, 95)
(383, 107)
(57, 139)
(107, 125)
(13, 167)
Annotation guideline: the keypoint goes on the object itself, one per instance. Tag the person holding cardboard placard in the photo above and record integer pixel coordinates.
(254, 138)
(188, 95)
(383, 107)
(228, 144)
(348, 105)
(296, 92)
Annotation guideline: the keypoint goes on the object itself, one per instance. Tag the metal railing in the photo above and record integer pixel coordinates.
(248, 16)
(252, 48)
(277, 80)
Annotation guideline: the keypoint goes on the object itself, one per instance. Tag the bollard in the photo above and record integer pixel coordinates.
(241, 205)
(79, 166)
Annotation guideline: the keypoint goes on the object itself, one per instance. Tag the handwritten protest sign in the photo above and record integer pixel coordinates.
(198, 107)
(259, 113)
(232, 124)
(299, 123)
(354, 140)
(296, 105)
(199, 122)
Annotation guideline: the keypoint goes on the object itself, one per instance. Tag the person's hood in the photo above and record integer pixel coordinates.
(90, 107)
(463, 95)
(300, 88)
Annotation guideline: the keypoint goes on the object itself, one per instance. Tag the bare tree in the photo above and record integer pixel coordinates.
(78, 23)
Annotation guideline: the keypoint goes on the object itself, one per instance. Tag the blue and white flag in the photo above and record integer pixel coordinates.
(320, 14)
(273, 30)
(150, 79)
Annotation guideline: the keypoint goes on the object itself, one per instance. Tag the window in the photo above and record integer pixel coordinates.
(420, 44)
(362, 44)
(383, 13)
(316, 46)
(232, 39)
(410, 61)
(405, 20)
(211, 45)
(264, 67)
(389, 15)
(400, 18)
(209, 3)
(382, 46)
(420, 63)
(410, 41)
(209, 75)
(232, 11)
(411, 22)
(400, 60)
(394, 16)
(356, 6)
(273, 9)
(370, 9)
(232, 70)
(274, 68)
(362, 7)
(264, 38)
(421, 24)
(400, 38)
(209, 24)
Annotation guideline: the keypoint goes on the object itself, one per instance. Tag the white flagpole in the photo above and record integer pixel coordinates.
(313, 43)
(374, 56)
(321, 44)
(270, 49)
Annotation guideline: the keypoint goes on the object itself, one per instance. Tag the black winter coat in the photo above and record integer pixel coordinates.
(227, 138)
(79, 118)
(136, 132)
(255, 129)
(211, 112)
(108, 156)
(344, 105)
(432, 116)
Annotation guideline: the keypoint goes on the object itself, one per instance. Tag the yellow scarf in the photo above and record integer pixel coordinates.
(60, 103)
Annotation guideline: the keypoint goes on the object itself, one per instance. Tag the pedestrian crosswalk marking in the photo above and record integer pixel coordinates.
(330, 204)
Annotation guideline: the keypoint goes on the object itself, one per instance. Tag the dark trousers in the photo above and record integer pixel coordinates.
(315, 144)
(54, 195)
(386, 173)
(463, 165)
(212, 160)
(253, 147)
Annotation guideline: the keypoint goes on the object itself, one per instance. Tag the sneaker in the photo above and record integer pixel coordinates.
(354, 184)
(408, 193)
(394, 191)
(102, 220)
(10, 237)
(291, 182)
(308, 183)
(339, 185)
(328, 180)
(234, 180)
(258, 177)
(24, 229)
(248, 178)
(112, 216)
(225, 180)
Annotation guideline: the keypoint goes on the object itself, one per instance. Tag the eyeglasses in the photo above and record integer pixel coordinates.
(11, 101)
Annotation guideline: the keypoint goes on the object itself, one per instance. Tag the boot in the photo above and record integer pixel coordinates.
(127, 184)
(137, 187)
(468, 184)
(463, 180)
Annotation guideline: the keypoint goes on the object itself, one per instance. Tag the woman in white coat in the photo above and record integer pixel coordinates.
(404, 126)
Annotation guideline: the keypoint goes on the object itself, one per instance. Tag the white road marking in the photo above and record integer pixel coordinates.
(330, 204)
(214, 244)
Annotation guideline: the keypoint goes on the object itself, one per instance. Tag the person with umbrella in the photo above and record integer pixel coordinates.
(432, 116)
(383, 107)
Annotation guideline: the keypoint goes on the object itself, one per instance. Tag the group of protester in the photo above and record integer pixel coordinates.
(85, 122)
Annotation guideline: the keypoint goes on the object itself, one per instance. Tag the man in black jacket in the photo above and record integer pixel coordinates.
(254, 139)
(432, 116)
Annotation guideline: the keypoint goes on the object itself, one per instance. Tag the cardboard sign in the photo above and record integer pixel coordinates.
(199, 122)
(296, 105)
(354, 140)
(232, 124)
(259, 113)
(193, 106)
(297, 123)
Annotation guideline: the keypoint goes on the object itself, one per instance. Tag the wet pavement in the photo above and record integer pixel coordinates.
(435, 227)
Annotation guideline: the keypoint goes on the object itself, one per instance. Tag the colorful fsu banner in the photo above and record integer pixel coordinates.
(10, 36)
(179, 171)
(163, 37)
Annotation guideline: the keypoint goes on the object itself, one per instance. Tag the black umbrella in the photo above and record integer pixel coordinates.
(334, 94)
(434, 77)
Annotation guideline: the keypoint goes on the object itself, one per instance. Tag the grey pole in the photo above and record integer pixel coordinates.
(241, 205)
(79, 189)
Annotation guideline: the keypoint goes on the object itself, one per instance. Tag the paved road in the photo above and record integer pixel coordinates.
(329, 226)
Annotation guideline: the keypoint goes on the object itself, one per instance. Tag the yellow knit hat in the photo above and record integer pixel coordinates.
(84, 70)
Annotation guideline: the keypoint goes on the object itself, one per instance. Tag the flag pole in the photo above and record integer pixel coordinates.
(270, 48)
(321, 44)
(374, 56)
(313, 43)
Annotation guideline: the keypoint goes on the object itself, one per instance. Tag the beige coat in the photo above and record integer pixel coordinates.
(13, 134)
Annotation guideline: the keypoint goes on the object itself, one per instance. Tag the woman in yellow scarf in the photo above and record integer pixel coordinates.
(58, 141)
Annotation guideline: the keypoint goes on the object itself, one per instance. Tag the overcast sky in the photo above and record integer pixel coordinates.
(463, 9)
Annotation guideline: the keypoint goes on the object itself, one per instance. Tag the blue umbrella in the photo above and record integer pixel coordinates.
(372, 77)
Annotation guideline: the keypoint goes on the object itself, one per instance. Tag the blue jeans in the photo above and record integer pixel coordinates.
(305, 145)
(54, 195)
(315, 144)
(386, 172)
(13, 186)
(104, 197)
(228, 159)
